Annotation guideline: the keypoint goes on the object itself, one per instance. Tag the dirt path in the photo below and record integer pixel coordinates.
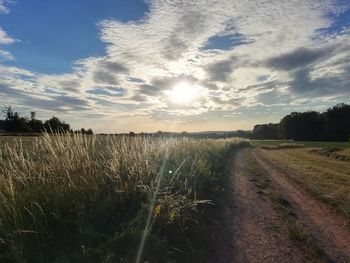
(256, 226)
(327, 227)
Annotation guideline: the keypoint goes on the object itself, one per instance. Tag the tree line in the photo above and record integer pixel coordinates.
(331, 125)
(13, 123)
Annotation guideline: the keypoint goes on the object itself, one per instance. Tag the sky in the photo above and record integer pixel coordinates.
(173, 65)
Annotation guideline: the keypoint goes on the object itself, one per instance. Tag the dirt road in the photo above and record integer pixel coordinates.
(256, 225)
(261, 233)
(324, 224)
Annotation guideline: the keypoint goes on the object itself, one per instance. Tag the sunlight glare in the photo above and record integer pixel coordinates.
(183, 93)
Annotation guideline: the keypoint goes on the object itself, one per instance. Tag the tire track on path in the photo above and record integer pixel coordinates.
(326, 226)
(255, 224)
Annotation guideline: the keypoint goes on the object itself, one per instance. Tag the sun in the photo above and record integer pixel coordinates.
(183, 93)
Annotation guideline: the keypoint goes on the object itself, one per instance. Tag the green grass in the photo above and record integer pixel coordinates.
(259, 143)
(86, 198)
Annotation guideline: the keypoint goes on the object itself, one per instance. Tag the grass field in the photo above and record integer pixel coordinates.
(326, 178)
(345, 152)
(101, 199)
(315, 144)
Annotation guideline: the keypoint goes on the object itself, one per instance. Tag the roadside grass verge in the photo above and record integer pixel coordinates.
(86, 198)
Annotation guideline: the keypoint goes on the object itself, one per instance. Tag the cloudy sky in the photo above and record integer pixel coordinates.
(177, 65)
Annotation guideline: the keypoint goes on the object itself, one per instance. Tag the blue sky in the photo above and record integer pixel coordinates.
(54, 34)
(189, 65)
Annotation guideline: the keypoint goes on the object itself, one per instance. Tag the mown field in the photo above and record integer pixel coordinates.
(111, 199)
(324, 175)
(321, 168)
(315, 144)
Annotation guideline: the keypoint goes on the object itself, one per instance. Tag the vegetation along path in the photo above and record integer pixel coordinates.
(273, 220)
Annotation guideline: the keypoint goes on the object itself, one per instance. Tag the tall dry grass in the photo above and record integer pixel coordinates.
(83, 198)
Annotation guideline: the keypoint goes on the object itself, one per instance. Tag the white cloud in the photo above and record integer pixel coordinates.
(5, 38)
(4, 6)
(168, 41)
(283, 52)
(5, 55)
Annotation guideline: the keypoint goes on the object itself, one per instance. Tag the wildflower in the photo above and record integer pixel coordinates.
(171, 217)
(157, 210)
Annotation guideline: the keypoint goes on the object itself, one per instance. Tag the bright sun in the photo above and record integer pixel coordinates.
(183, 93)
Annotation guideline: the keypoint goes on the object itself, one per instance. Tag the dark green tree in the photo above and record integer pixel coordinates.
(337, 123)
(305, 126)
(56, 125)
(242, 134)
(34, 124)
(2, 126)
(266, 131)
(13, 122)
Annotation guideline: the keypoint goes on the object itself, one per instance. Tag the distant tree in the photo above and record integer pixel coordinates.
(302, 126)
(159, 133)
(13, 122)
(266, 131)
(35, 125)
(56, 125)
(242, 134)
(32, 115)
(2, 126)
(337, 123)
(83, 131)
(132, 134)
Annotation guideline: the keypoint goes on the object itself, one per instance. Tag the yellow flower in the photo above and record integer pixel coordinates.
(171, 217)
(157, 210)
